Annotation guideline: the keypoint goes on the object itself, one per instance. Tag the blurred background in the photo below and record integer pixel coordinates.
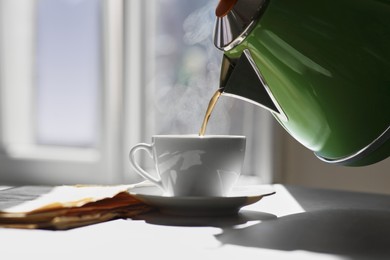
(81, 81)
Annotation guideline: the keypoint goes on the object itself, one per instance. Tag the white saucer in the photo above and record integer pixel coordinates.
(202, 206)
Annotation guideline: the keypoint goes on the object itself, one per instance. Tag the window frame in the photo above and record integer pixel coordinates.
(29, 163)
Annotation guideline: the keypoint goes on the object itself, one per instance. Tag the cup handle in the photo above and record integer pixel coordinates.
(137, 168)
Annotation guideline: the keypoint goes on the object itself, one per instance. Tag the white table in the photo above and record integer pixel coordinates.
(295, 223)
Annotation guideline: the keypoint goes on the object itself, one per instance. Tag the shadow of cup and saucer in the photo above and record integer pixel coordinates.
(243, 217)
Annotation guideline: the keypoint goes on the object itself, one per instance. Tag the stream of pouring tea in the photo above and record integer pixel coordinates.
(209, 110)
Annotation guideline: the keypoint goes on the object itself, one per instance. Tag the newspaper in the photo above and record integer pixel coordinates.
(66, 207)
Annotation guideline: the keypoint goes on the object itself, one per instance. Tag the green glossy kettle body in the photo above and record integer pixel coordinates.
(321, 67)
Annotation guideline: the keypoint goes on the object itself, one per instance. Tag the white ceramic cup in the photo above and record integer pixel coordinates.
(192, 165)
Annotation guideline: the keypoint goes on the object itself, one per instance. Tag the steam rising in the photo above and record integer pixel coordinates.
(188, 77)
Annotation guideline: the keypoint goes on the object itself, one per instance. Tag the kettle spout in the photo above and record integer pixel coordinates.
(240, 78)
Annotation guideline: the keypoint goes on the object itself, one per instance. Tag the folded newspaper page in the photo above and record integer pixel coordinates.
(66, 207)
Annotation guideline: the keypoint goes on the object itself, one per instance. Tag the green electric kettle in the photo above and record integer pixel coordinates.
(322, 68)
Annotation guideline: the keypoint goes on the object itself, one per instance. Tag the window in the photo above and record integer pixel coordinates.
(84, 80)
(59, 90)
